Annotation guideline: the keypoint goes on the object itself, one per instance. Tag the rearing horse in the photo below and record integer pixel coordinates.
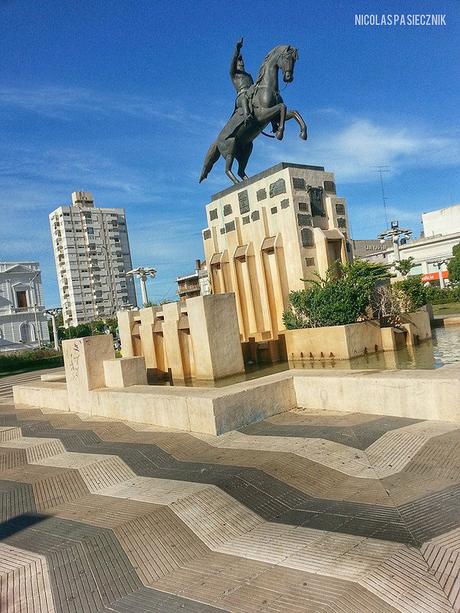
(236, 138)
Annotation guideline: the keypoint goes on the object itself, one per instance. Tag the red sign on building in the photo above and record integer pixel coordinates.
(434, 276)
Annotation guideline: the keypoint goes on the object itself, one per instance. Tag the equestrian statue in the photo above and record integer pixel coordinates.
(257, 105)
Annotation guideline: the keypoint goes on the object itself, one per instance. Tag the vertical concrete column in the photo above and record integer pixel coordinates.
(84, 367)
(125, 326)
(215, 336)
(252, 323)
(277, 289)
(148, 315)
(171, 339)
(264, 291)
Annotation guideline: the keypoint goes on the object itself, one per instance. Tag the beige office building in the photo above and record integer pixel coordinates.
(92, 256)
(267, 234)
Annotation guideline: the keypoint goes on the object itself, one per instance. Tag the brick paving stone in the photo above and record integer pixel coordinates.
(307, 511)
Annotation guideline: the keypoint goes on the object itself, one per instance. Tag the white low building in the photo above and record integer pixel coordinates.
(23, 323)
(433, 250)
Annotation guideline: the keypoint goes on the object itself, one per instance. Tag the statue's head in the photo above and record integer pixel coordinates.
(287, 62)
(240, 63)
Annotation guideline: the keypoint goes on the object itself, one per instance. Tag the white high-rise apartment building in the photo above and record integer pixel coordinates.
(91, 250)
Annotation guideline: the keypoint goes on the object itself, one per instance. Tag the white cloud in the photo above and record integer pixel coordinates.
(66, 103)
(353, 151)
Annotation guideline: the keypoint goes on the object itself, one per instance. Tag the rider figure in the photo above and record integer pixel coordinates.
(241, 79)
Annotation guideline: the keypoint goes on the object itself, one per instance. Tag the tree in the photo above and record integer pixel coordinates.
(454, 265)
(415, 290)
(405, 266)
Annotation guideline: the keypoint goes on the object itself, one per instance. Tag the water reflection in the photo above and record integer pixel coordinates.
(444, 348)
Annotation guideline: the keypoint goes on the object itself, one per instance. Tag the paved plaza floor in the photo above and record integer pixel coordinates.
(311, 512)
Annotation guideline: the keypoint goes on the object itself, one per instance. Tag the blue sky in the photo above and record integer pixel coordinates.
(122, 98)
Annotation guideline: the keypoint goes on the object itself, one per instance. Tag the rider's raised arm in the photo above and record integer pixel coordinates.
(236, 53)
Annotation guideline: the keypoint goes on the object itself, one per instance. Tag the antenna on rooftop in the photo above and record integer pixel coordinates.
(381, 170)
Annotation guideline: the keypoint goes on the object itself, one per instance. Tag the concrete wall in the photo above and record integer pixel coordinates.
(43, 394)
(418, 394)
(338, 342)
(418, 326)
(353, 340)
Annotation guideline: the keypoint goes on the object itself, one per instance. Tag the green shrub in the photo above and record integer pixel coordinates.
(343, 297)
(15, 360)
(419, 294)
(414, 290)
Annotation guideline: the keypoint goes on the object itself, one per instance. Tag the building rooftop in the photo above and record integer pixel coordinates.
(262, 175)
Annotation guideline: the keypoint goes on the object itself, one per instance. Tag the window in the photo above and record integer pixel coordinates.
(21, 299)
(298, 183)
(310, 261)
(304, 220)
(90, 230)
(307, 237)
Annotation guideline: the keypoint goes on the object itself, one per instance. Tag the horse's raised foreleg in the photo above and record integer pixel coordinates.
(267, 115)
(280, 132)
(291, 114)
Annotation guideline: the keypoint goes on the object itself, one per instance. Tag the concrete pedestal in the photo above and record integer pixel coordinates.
(215, 336)
(124, 372)
(83, 362)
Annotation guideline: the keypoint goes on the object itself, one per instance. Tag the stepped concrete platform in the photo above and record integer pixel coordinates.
(418, 394)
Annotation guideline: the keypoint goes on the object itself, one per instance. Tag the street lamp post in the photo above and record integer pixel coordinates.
(143, 272)
(394, 233)
(439, 266)
(54, 313)
(35, 298)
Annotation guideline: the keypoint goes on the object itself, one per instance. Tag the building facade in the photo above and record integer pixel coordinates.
(372, 249)
(92, 255)
(195, 283)
(433, 250)
(267, 235)
(23, 323)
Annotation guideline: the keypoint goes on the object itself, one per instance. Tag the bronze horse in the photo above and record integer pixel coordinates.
(267, 106)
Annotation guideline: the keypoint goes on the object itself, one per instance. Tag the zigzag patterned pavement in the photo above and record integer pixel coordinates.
(306, 511)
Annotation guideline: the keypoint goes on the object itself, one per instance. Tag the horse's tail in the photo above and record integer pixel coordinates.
(211, 158)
